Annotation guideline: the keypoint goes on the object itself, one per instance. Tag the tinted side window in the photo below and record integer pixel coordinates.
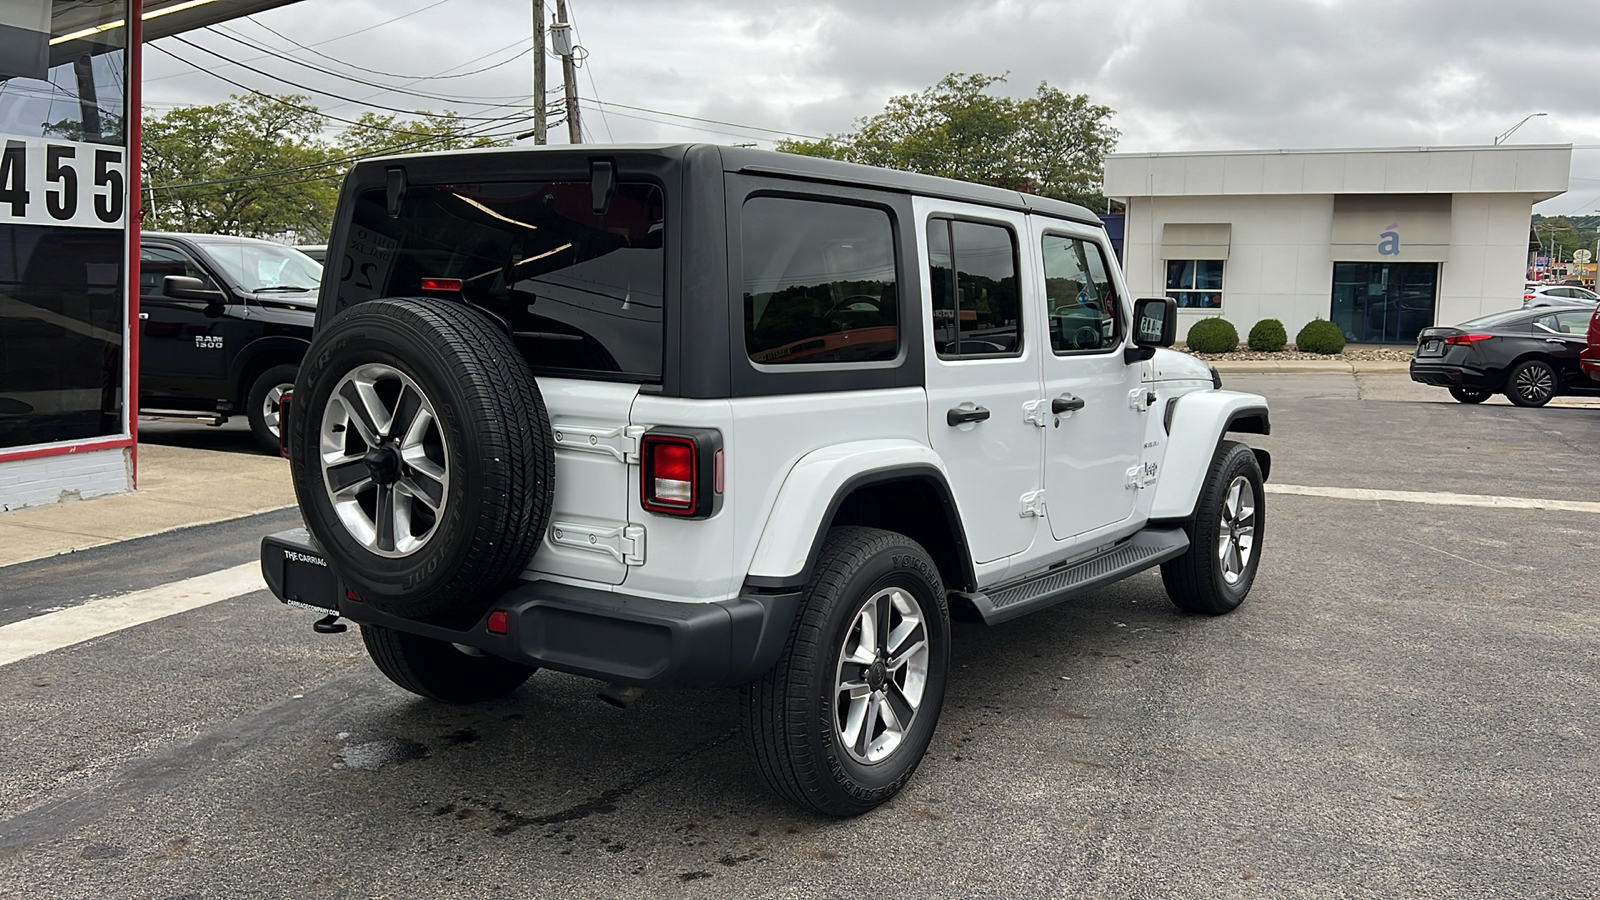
(820, 284)
(1081, 299)
(156, 263)
(582, 292)
(977, 307)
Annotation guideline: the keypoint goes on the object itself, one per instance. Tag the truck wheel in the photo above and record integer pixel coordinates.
(841, 721)
(1214, 575)
(439, 670)
(261, 404)
(422, 456)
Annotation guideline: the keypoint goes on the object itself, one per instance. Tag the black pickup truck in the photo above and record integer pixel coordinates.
(224, 323)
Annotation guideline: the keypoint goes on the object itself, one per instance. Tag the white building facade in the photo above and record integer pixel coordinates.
(1381, 242)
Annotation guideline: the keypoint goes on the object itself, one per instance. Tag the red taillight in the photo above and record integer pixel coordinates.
(442, 285)
(1466, 340)
(670, 474)
(499, 622)
(1527, 296)
(680, 472)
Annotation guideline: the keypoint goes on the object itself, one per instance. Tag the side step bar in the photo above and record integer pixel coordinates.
(1149, 547)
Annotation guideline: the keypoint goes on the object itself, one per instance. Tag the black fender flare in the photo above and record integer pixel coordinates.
(924, 474)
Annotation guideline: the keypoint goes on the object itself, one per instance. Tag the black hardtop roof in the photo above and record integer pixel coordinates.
(771, 162)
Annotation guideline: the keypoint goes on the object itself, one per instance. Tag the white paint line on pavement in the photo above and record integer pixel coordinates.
(1436, 498)
(52, 631)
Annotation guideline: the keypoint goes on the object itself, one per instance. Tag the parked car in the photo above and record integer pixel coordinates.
(224, 323)
(1530, 355)
(1589, 359)
(1558, 295)
(717, 417)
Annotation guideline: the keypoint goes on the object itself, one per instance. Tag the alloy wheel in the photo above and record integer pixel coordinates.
(882, 673)
(1536, 383)
(1237, 535)
(269, 407)
(384, 461)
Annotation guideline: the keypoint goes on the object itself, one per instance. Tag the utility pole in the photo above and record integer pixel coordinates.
(561, 32)
(538, 72)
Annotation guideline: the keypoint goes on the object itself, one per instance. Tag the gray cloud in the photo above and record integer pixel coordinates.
(1204, 74)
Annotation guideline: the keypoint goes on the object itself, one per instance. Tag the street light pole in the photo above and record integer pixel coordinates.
(1508, 132)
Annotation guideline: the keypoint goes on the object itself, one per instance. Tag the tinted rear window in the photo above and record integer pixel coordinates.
(581, 292)
(1493, 319)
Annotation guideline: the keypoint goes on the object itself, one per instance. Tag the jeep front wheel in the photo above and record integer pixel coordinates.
(841, 722)
(1214, 575)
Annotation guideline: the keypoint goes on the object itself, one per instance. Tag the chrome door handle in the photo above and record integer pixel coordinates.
(1068, 403)
(960, 416)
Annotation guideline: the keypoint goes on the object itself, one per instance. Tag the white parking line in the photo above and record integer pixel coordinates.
(52, 631)
(1436, 498)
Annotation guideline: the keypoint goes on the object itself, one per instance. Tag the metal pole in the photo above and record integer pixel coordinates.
(569, 75)
(538, 72)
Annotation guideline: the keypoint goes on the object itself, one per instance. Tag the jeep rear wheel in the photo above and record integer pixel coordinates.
(441, 671)
(841, 722)
(421, 456)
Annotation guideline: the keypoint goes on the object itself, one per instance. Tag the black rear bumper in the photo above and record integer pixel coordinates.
(599, 634)
(1441, 374)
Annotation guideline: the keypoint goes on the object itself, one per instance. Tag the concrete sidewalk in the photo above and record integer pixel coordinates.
(178, 487)
(1331, 366)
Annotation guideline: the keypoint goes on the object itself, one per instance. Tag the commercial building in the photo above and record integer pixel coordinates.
(1382, 242)
(69, 214)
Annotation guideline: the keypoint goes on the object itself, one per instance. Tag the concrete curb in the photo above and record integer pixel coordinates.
(1311, 367)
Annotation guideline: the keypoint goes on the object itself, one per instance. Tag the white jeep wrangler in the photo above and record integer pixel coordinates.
(704, 416)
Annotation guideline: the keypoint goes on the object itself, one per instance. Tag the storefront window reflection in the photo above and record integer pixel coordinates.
(63, 219)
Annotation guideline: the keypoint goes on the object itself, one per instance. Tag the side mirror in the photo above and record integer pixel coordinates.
(185, 287)
(1155, 324)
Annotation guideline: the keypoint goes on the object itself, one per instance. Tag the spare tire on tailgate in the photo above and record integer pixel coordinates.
(421, 455)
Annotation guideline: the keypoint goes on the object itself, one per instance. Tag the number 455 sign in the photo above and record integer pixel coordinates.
(45, 182)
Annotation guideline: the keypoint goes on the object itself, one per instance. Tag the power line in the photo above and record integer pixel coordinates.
(351, 78)
(414, 78)
(182, 40)
(311, 109)
(338, 37)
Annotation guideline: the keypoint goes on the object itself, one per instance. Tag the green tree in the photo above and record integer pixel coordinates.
(1052, 143)
(251, 166)
(375, 135)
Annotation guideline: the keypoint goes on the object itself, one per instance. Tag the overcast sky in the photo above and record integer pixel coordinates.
(1181, 74)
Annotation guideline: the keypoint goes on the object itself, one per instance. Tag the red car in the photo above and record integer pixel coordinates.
(1589, 359)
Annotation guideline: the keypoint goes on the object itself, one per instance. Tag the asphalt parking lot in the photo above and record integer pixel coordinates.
(1404, 707)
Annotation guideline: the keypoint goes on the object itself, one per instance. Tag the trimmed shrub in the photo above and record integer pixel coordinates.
(1212, 336)
(1268, 336)
(1320, 336)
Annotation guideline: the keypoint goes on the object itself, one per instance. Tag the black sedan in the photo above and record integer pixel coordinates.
(1530, 355)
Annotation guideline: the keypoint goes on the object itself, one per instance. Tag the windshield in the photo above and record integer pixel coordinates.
(260, 266)
(1493, 319)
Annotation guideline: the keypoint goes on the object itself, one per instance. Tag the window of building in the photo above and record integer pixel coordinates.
(1195, 283)
(1082, 300)
(1388, 303)
(820, 282)
(977, 308)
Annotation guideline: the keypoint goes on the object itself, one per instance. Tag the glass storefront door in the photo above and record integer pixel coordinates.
(1384, 303)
